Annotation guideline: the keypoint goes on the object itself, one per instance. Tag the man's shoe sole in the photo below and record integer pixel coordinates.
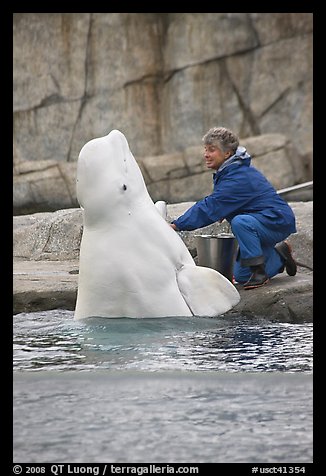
(254, 286)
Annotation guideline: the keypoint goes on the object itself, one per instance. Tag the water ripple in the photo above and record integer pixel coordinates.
(52, 340)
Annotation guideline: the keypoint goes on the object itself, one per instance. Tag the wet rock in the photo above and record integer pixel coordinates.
(46, 285)
(284, 298)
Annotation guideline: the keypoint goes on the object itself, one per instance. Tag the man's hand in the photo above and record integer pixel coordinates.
(172, 225)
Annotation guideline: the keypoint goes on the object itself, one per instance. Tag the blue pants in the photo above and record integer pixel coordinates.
(256, 246)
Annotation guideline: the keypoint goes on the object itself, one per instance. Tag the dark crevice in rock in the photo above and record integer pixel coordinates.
(86, 96)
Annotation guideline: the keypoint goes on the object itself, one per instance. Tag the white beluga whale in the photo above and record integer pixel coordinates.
(132, 263)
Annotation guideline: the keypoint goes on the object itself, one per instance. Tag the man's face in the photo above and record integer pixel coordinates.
(214, 157)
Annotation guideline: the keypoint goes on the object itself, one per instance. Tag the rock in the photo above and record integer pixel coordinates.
(283, 299)
(77, 74)
(46, 285)
(56, 236)
(46, 253)
(48, 185)
(163, 79)
(48, 236)
(44, 185)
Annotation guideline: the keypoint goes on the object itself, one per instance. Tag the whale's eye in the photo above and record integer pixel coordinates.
(124, 187)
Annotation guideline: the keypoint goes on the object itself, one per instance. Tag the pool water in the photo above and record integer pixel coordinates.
(167, 390)
(52, 340)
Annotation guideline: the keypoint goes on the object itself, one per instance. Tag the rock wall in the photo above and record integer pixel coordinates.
(49, 185)
(162, 79)
(56, 236)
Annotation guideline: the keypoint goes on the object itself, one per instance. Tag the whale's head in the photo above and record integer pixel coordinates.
(109, 181)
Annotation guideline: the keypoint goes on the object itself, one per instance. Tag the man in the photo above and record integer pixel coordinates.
(260, 219)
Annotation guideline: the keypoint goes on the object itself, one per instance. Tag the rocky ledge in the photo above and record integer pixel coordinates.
(46, 252)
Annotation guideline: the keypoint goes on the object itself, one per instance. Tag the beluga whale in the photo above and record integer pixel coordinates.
(132, 263)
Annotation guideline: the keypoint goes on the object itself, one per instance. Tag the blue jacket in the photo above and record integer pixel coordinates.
(239, 188)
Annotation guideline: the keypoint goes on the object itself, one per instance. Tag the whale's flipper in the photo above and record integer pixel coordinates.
(206, 291)
(162, 208)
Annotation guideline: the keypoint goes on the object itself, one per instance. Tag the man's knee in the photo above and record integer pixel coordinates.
(240, 222)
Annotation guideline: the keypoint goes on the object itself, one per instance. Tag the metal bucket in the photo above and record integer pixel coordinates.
(217, 252)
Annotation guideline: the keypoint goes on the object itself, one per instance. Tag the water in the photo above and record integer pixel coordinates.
(161, 390)
(52, 340)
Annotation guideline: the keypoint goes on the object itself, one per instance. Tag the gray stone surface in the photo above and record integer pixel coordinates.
(48, 236)
(48, 185)
(45, 285)
(46, 260)
(162, 79)
(284, 298)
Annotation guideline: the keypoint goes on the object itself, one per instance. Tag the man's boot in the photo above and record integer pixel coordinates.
(258, 277)
(284, 250)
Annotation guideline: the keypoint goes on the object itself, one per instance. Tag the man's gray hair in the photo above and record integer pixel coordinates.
(223, 138)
